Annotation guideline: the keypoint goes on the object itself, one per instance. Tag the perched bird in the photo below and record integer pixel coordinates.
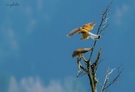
(79, 52)
(85, 31)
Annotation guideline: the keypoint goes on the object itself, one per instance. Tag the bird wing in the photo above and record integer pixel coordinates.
(89, 26)
(76, 30)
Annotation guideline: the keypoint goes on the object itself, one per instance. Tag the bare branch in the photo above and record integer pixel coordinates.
(93, 88)
(101, 28)
(109, 71)
(91, 80)
(114, 80)
(94, 68)
(84, 59)
(104, 28)
(104, 18)
(105, 85)
(95, 64)
(81, 73)
(83, 70)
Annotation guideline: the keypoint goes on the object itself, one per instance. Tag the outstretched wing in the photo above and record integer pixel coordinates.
(76, 30)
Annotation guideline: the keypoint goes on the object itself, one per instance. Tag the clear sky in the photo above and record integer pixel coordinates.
(35, 54)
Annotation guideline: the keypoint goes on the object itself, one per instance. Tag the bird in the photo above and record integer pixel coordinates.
(84, 30)
(80, 51)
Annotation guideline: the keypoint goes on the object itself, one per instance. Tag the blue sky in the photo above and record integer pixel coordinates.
(35, 54)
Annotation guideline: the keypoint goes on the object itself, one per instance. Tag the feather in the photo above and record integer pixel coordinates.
(76, 30)
(94, 36)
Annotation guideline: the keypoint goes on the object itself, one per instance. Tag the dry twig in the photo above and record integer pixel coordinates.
(106, 85)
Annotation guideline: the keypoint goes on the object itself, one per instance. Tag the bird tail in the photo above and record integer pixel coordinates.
(94, 36)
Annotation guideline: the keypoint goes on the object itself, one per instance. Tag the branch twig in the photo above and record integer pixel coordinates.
(105, 85)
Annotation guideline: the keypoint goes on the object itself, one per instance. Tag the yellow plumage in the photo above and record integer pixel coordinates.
(83, 30)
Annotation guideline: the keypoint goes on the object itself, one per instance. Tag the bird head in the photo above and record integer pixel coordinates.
(75, 53)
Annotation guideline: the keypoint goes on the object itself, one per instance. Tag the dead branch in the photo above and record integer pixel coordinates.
(95, 64)
(94, 68)
(93, 88)
(80, 73)
(114, 80)
(109, 71)
(106, 85)
(102, 26)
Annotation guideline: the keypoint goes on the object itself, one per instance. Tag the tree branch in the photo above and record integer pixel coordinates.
(105, 85)
(94, 67)
(101, 28)
(91, 78)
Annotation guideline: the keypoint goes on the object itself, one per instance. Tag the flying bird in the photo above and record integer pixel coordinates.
(85, 32)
